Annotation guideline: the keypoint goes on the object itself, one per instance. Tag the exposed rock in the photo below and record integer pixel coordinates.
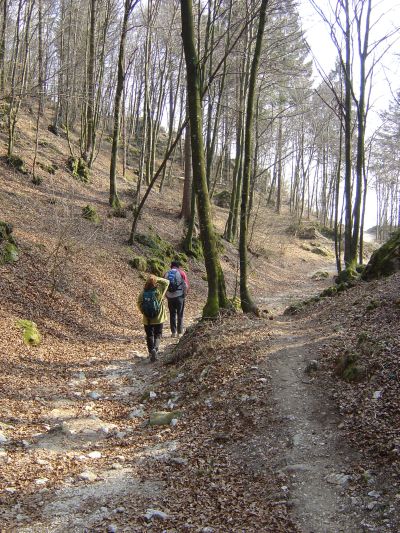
(155, 513)
(87, 476)
(94, 455)
(338, 479)
(3, 438)
(312, 366)
(136, 413)
(3, 455)
(222, 199)
(163, 418)
(309, 232)
(385, 260)
(89, 426)
(94, 395)
(41, 481)
(320, 275)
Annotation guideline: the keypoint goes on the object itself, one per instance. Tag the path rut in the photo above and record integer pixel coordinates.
(312, 455)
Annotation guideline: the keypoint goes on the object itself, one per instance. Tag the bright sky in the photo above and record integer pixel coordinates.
(386, 79)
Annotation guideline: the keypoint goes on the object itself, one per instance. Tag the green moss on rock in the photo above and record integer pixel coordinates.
(319, 251)
(384, 261)
(51, 169)
(10, 253)
(222, 199)
(349, 368)
(139, 263)
(8, 247)
(30, 332)
(330, 291)
(79, 169)
(236, 303)
(157, 266)
(18, 163)
(318, 276)
(196, 250)
(89, 212)
(294, 308)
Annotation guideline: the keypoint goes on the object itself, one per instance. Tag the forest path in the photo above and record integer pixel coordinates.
(105, 484)
(310, 454)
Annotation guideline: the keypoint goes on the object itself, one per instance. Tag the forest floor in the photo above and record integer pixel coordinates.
(265, 435)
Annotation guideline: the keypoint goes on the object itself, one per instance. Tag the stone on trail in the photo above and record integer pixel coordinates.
(3, 438)
(338, 479)
(3, 455)
(112, 528)
(41, 481)
(94, 395)
(89, 426)
(87, 476)
(163, 418)
(94, 455)
(155, 513)
(312, 366)
(136, 413)
(208, 530)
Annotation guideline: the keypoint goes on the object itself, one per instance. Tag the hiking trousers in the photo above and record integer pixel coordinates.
(176, 307)
(153, 336)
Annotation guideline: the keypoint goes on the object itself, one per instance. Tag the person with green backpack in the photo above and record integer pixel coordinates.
(151, 305)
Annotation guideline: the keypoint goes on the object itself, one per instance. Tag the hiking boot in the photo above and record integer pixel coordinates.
(173, 335)
(153, 355)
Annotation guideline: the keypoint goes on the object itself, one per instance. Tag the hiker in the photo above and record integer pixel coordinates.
(177, 290)
(151, 305)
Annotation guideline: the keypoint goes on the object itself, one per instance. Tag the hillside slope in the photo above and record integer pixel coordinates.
(77, 452)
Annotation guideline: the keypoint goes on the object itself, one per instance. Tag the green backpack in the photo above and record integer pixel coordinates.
(150, 304)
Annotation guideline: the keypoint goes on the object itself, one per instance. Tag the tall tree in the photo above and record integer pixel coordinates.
(128, 8)
(216, 297)
(246, 300)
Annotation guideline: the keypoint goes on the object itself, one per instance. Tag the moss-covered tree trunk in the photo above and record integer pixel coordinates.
(216, 294)
(247, 303)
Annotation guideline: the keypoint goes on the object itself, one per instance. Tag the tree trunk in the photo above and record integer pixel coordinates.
(216, 290)
(114, 200)
(247, 303)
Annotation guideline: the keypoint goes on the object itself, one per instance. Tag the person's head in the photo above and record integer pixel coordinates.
(151, 283)
(175, 264)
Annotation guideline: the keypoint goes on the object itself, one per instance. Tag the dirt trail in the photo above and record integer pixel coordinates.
(311, 454)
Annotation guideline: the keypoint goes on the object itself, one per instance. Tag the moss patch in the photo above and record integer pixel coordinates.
(30, 332)
(15, 161)
(161, 254)
(385, 260)
(89, 212)
(349, 368)
(139, 263)
(8, 247)
(79, 169)
(222, 199)
(157, 266)
(51, 169)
